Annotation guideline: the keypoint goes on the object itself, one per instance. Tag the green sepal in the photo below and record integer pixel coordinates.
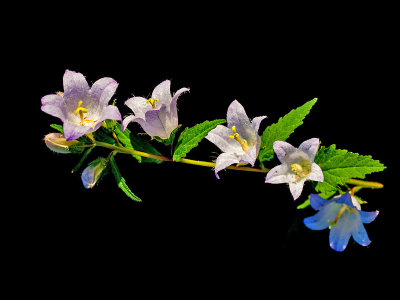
(121, 181)
(191, 137)
(57, 127)
(281, 130)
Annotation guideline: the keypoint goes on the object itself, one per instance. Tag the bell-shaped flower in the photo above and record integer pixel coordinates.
(297, 165)
(93, 172)
(342, 218)
(81, 108)
(239, 141)
(158, 115)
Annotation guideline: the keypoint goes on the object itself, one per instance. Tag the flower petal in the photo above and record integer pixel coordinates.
(317, 202)
(340, 234)
(236, 116)
(162, 92)
(345, 199)
(282, 149)
(73, 131)
(76, 89)
(103, 89)
(220, 137)
(368, 216)
(296, 188)
(316, 173)
(172, 107)
(321, 219)
(225, 160)
(360, 234)
(278, 174)
(256, 122)
(139, 106)
(57, 111)
(52, 99)
(310, 147)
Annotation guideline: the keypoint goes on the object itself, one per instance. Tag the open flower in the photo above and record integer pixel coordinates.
(81, 108)
(239, 141)
(297, 165)
(158, 115)
(342, 218)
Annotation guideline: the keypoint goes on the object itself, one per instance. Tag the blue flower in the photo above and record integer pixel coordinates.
(342, 218)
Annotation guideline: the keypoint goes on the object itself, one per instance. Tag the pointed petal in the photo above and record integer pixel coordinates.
(73, 131)
(103, 89)
(359, 233)
(57, 111)
(317, 202)
(225, 160)
(345, 199)
(172, 108)
(282, 149)
(368, 216)
(138, 105)
(340, 234)
(236, 116)
(277, 174)
(296, 188)
(126, 121)
(316, 173)
(220, 137)
(256, 122)
(162, 92)
(76, 89)
(310, 147)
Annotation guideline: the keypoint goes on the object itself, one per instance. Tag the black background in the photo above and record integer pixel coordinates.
(270, 64)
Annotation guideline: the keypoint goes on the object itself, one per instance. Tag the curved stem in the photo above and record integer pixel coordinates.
(369, 184)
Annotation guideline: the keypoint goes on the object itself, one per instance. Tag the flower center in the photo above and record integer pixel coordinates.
(341, 213)
(152, 102)
(302, 169)
(84, 120)
(235, 136)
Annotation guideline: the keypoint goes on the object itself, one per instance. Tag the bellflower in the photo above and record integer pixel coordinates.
(342, 218)
(158, 115)
(81, 108)
(239, 141)
(297, 165)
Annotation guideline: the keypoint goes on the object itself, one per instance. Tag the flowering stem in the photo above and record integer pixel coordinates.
(362, 183)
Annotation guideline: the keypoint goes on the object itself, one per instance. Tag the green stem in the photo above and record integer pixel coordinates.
(375, 185)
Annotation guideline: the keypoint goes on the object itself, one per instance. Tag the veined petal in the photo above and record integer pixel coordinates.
(220, 137)
(73, 131)
(316, 173)
(368, 216)
(236, 116)
(278, 174)
(162, 92)
(52, 99)
(110, 112)
(317, 202)
(103, 89)
(138, 105)
(282, 149)
(310, 147)
(296, 187)
(256, 123)
(225, 160)
(321, 219)
(76, 89)
(54, 110)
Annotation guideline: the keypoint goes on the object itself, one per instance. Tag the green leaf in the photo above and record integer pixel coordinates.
(57, 127)
(191, 137)
(145, 146)
(281, 130)
(124, 138)
(103, 135)
(121, 181)
(339, 166)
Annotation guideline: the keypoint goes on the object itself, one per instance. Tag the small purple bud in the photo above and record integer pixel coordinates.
(93, 172)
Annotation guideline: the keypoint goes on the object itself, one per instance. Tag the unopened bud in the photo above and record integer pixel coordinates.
(57, 143)
(93, 172)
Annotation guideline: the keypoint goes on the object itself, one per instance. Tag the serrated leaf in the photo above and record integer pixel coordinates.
(145, 146)
(339, 166)
(121, 181)
(191, 137)
(281, 130)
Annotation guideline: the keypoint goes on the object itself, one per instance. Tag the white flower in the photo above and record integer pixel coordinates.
(297, 165)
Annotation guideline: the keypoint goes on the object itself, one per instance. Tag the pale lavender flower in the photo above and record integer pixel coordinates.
(158, 115)
(342, 218)
(297, 165)
(239, 141)
(81, 108)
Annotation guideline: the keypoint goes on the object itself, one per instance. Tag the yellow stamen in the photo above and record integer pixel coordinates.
(235, 136)
(81, 110)
(301, 170)
(152, 102)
